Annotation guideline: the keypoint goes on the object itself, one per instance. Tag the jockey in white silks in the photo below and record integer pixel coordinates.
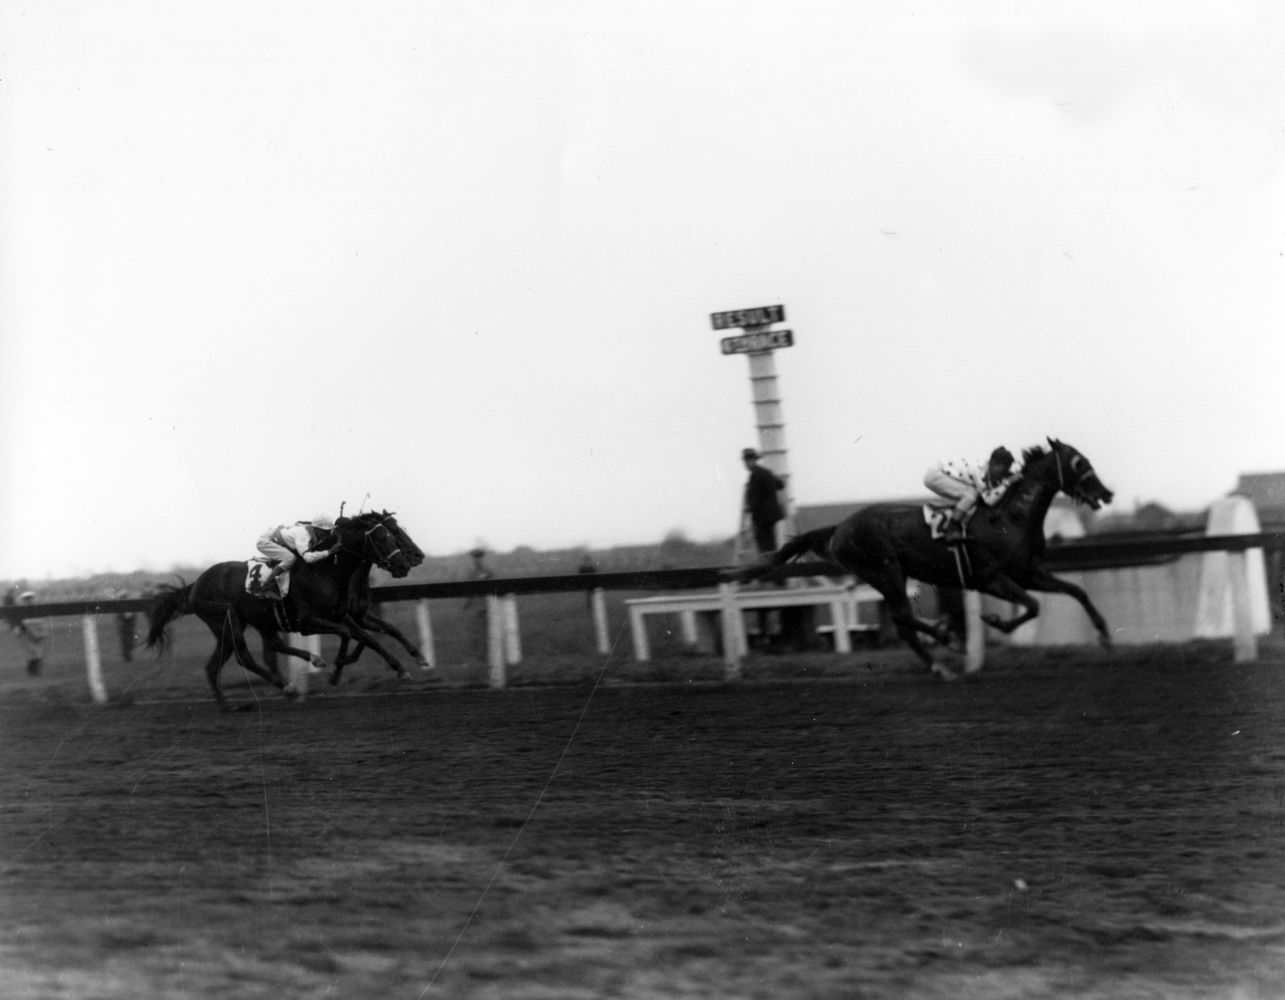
(967, 482)
(282, 545)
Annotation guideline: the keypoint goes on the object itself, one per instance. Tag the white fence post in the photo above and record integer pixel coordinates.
(975, 632)
(600, 621)
(733, 631)
(512, 636)
(1244, 642)
(495, 641)
(425, 624)
(93, 662)
(297, 671)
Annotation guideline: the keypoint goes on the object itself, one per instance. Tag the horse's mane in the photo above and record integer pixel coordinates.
(1033, 452)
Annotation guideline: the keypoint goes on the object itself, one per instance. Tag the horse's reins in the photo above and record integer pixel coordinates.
(365, 543)
(1061, 481)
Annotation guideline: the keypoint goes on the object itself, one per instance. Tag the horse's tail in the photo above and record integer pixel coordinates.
(816, 542)
(172, 602)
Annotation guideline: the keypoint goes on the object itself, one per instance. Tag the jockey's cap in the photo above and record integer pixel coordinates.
(1002, 455)
(324, 521)
(749, 453)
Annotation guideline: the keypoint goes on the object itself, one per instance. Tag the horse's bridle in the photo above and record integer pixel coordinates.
(366, 544)
(1061, 481)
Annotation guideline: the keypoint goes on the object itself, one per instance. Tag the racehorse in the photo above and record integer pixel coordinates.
(359, 601)
(886, 543)
(317, 602)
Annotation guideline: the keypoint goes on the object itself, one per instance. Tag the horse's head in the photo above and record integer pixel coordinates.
(368, 537)
(1076, 476)
(413, 553)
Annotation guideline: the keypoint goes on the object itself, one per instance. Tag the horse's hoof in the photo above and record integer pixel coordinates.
(944, 672)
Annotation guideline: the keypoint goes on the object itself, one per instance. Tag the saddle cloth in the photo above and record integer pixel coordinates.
(258, 568)
(937, 518)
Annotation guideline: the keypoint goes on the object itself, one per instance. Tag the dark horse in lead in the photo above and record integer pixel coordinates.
(318, 602)
(887, 543)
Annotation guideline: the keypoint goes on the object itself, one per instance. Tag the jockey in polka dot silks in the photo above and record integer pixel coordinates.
(967, 482)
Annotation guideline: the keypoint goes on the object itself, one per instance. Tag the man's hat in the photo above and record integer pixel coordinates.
(477, 553)
(749, 453)
(27, 595)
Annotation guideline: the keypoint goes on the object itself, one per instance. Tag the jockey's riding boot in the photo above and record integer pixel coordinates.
(955, 532)
(264, 586)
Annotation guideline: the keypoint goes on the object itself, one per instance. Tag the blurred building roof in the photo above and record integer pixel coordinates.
(1267, 492)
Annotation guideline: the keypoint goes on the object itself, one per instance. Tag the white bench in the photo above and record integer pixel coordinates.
(841, 599)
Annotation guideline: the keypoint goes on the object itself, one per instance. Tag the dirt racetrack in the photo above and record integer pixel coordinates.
(1070, 824)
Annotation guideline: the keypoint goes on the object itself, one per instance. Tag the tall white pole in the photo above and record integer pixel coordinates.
(769, 419)
(93, 662)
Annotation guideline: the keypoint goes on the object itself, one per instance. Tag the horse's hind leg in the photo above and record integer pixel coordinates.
(223, 648)
(891, 583)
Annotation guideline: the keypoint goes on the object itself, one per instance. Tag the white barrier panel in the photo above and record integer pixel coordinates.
(1233, 585)
(93, 662)
(425, 625)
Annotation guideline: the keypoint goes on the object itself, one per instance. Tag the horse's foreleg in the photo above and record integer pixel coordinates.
(373, 623)
(1007, 590)
(349, 628)
(1042, 580)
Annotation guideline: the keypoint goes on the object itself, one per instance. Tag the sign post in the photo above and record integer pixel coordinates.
(757, 343)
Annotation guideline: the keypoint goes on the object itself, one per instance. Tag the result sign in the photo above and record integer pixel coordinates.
(749, 343)
(761, 316)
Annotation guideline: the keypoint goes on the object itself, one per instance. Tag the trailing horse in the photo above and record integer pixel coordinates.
(359, 601)
(317, 602)
(887, 543)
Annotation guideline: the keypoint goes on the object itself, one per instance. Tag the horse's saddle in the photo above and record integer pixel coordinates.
(937, 517)
(256, 570)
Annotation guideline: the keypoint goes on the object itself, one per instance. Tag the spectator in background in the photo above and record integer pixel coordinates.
(32, 633)
(762, 502)
(126, 627)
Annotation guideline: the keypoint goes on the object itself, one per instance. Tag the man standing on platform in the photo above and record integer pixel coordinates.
(762, 502)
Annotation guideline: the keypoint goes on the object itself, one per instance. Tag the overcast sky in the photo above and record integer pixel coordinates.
(457, 260)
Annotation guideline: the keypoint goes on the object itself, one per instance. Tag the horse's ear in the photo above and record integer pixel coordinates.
(1053, 442)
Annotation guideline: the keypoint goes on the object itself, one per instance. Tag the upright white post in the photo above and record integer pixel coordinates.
(495, 641)
(425, 625)
(512, 637)
(758, 343)
(975, 642)
(733, 631)
(1244, 642)
(93, 661)
(600, 621)
(298, 671)
(687, 627)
